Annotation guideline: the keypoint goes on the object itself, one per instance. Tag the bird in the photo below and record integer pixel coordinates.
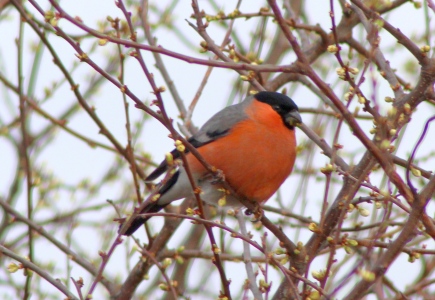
(253, 143)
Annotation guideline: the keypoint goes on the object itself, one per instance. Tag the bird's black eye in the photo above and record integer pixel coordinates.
(277, 108)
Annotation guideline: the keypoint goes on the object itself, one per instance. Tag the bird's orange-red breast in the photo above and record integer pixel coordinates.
(252, 142)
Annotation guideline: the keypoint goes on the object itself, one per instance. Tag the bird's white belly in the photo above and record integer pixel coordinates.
(210, 192)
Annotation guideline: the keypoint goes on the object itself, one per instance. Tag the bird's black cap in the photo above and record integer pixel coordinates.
(274, 98)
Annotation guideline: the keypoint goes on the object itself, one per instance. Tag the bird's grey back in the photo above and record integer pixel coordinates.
(221, 123)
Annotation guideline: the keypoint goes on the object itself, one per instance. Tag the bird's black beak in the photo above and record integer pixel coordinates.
(293, 118)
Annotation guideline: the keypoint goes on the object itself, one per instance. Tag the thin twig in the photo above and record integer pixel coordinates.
(247, 258)
(41, 272)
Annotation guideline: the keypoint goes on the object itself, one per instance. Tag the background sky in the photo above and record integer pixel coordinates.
(71, 161)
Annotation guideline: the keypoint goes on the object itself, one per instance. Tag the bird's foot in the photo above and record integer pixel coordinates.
(218, 177)
(257, 211)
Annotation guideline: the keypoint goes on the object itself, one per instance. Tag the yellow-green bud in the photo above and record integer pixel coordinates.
(327, 169)
(341, 72)
(155, 197)
(415, 172)
(353, 71)
(319, 275)
(166, 262)
(425, 49)
(363, 212)
(169, 159)
(13, 267)
(407, 108)
(347, 96)
(389, 99)
(352, 243)
(163, 287)
(222, 201)
(280, 251)
(332, 49)
(179, 260)
(401, 118)
(367, 275)
(314, 295)
(385, 144)
(313, 227)
(264, 284)
(392, 112)
(284, 261)
(179, 146)
(102, 42)
(384, 193)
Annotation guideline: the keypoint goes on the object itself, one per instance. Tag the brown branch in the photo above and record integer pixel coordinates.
(108, 283)
(40, 271)
(67, 75)
(381, 266)
(401, 38)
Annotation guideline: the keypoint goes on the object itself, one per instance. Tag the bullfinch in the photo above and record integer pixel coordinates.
(253, 143)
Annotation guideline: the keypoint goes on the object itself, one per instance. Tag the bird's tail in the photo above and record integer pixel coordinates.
(154, 206)
(138, 221)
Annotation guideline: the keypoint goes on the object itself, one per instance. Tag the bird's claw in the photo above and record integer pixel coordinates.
(257, 212)
(248, 212)
(218, 177)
